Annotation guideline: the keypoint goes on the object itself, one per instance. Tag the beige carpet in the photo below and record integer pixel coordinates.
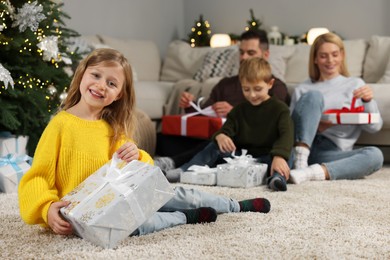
(316, 220)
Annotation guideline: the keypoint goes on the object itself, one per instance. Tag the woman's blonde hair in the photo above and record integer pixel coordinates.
(119, 114)
(254, 70)
(314, 72)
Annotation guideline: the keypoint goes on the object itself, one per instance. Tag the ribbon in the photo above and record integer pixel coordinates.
(208, 111)
(242, 160)
(353, 109)
(197, 169)
(14, 160)
(116, 173)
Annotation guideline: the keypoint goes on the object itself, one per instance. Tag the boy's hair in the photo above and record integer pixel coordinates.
(254, 70)
(260, 35)
(314, 71)
(120, 113)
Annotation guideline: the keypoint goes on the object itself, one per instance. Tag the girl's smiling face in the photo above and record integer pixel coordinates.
(329, 58)
(101, 85)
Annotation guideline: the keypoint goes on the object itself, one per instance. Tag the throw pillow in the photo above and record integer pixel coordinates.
(278, 56)
(376, 58)
(219, 63)
(355, 51)
(386, 77)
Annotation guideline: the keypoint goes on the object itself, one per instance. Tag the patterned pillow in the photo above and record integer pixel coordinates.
(219, 63)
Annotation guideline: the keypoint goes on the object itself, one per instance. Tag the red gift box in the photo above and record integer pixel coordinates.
(194, 126)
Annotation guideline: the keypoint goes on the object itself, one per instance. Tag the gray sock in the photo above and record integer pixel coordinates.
(165, 163)
(173, 175)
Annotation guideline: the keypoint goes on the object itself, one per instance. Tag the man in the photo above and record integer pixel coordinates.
(223, 97)
(227, 93)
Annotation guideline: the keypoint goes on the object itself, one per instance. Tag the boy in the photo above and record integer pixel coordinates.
(262, 125)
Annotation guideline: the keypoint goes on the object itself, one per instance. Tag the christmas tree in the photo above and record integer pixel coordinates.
(253, 23)
(200, 33)
(36, 62)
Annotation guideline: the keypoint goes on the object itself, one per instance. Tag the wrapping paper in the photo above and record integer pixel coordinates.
(201, 175)
(241, 171)
(114, 201)
(12, 169)
(13, 145)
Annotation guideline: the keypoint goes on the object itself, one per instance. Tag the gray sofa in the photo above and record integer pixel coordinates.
(158, 83)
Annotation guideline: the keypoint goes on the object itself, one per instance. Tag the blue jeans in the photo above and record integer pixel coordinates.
(169, 215)
(340, 164)
(211, 155)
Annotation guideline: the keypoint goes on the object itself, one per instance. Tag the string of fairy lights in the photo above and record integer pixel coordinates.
(28, 47)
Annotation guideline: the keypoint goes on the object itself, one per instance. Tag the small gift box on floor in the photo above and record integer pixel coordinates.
(114, 201)
(241, 171)
(12, 169)
(201, 175)
(13, 145)
(353, 115)
(201, 124)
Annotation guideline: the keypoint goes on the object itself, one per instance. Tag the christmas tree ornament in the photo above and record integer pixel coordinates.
(30, 15)
(5, 76)
(200, 33)
(253, 23)
(49, 47)
(52, 90)
(63, 96)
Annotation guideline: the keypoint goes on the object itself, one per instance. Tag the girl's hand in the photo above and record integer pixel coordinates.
(365, 93)
(55, 220)
(280, 165)
(225, 143)
(128, 152)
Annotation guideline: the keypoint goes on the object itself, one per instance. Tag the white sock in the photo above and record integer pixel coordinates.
(314, 172)
(301, 156)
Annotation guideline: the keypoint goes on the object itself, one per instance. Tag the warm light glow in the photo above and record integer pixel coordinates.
(220, 40)
(314, 33)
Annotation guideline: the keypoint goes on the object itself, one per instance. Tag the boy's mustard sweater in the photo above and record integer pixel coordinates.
(69, 150)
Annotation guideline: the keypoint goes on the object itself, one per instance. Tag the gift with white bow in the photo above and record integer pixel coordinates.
(115, 200)
(241, 171)
(201, 175)
(201, 124)
(12, 169)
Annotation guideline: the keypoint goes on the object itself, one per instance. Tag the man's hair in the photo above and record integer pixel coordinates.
(261, 35)
(254, 70)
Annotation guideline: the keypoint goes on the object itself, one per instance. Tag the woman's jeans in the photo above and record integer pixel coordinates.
(170, 215)
(340, 164)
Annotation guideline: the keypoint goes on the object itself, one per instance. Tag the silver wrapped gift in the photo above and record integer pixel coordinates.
(201, 175)
(241, 171)
(115, 200)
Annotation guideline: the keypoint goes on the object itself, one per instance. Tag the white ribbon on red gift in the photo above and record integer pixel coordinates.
(207, 111)
(353, 109)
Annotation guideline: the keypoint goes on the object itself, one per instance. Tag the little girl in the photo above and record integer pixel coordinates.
(96, 120)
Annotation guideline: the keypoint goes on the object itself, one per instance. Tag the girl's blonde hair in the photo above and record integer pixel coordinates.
(254, 70)
(120, 113)
(314, 72)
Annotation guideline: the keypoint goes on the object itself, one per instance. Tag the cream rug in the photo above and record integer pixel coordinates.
(316, 220)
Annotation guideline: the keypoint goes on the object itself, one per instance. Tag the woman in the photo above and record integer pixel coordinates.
(326, 147)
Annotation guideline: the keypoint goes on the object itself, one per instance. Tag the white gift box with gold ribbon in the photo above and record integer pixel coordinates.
(114, 201)
(241, 171)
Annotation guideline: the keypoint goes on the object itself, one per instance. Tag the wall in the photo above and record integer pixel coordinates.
(164, 20)
(159, 21)
(351, 19)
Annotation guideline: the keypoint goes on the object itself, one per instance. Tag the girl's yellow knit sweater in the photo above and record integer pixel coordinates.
(70, 149)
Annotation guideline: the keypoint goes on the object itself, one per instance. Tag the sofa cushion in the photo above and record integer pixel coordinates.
(147, 66)
(182, 61)
(278, 56)
(376, 59)
(386, 76)
(297, 65)
(152, 96)
(355, 52)
(219, 63)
